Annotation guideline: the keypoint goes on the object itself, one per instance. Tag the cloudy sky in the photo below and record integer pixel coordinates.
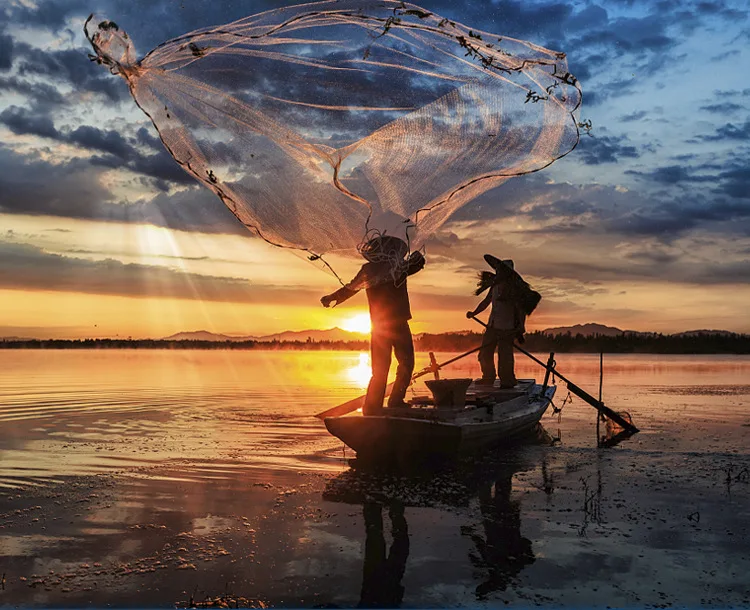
(645, 226)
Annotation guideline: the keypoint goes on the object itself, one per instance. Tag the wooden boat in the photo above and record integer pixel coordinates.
(489, 416)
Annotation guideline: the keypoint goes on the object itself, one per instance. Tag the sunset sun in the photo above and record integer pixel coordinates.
(359, 323)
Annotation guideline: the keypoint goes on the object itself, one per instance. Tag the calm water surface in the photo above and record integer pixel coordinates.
(83, 412)
(150, 478)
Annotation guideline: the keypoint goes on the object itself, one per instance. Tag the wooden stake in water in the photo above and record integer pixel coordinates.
(601, 377)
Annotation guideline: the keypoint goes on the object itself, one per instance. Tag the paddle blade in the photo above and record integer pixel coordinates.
(348, 407)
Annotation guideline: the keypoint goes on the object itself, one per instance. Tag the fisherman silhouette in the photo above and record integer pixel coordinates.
(384, 278)
(512, 299)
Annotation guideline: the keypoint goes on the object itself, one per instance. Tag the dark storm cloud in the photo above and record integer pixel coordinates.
(605, 149)
(634, 116)
(596, 209)
(563, 208)
(505, 200)
(193, 209)
(144, 137)
(736, 183)
(121, 151)
(641, 259)
(162, 167)
(726, 55)
(653, 255)
(581, 69)
(727, 273)
(618, 88)
(30, 185)
(6, 52)
(672, 174)
(729, 131)
(517, 19)
(645, 44)
(719, 9)
(686, 157)
(26, 267)
(106, 141)
(671, 220)
(22, 121)
(647, 268)
(51, 14)
(123, 154)
(593, 98)
(590, 17)
(729, 177)
(724, 93)
(41, 95)
(693, 16)
(639, 36)
(722, 108)
(599, 270)
(72, 67)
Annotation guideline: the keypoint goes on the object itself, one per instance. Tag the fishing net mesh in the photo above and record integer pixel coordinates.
(316, 124)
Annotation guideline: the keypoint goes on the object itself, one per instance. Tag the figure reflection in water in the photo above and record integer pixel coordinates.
(382, 573)
(503, 551)
(499, 553)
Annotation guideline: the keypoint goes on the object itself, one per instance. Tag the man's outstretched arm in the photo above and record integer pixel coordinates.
(348, 291)
(338, 297)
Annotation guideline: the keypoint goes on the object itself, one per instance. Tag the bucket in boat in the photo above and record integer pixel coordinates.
(449, 393)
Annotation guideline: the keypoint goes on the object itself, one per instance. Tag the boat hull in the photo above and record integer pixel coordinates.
(444, 433)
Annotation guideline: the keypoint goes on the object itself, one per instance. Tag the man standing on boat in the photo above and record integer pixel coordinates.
(384, 278)
(512, 300)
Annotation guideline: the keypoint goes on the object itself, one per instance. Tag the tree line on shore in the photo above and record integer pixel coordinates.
(625, 343)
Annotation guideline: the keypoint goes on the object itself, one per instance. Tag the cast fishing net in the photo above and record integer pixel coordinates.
(320, 123)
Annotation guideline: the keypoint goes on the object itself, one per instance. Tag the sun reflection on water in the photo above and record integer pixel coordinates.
(361, 372)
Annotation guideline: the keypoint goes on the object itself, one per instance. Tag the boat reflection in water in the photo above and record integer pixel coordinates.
(499, 551)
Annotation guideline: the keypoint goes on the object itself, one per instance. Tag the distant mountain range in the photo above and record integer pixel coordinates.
(338, 334)
(592, 329)
(587, 330)
(331, 334)
(695, 333)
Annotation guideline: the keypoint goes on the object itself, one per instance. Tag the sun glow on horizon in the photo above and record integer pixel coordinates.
(359, 323)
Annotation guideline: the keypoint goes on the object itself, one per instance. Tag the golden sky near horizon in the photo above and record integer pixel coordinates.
(143, 281)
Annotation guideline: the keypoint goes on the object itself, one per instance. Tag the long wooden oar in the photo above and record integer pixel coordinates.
(597, 404)
(358, 403)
